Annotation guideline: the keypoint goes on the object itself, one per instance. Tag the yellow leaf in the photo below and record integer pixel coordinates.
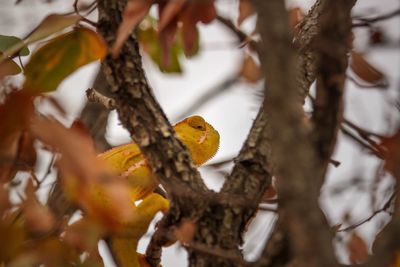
(60, 57)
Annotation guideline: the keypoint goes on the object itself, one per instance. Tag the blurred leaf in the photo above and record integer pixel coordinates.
(358, 250)
(7, 42)
(250, 71)
(245, 10)
(8, 67)
(83, 235)
(376, 36)
(168, 12)
(15, 114)
(396, 262)
(4, 200)
(196, 11)
(60, 57)
(185, 232)
(38, 217)
(134, 12)
(295, 16)
(86, 180)
(27, 151)
(148, 38)
(392, 157)
(366, 71)
(12, 236)
(51, 24)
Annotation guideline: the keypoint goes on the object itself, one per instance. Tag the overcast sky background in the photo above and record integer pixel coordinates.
(232, 112)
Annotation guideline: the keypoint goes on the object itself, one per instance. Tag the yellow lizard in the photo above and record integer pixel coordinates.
(199, 137)
(194, 132)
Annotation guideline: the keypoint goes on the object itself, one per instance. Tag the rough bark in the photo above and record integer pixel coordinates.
(293, 153)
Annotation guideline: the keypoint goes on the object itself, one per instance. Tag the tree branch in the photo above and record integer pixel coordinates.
(293, 152)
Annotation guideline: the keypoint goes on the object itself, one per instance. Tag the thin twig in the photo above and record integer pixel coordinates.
(243, 37)
(376, 152)
(76, 10)
(384, 208)
(95, 96)
(366, 22)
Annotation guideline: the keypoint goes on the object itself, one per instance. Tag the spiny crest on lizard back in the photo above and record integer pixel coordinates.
(199, 137)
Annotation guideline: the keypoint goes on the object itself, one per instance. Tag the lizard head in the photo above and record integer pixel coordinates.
(199, 137)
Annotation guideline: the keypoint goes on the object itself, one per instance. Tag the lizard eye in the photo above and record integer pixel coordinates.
(197, 122)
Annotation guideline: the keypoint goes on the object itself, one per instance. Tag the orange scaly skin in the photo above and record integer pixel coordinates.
(194, 132)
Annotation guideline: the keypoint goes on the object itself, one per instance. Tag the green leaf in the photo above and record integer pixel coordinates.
(148, 38)
(51, 24)
(8, 41)
(60, 57)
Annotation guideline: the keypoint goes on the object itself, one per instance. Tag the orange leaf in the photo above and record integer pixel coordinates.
(358, 250)
(83, 235)
(365, 71)
(8, 67)
(15, 114)
(134, 12)
(27, 151)
(392, 157)
(250, 71)
(60, 57)
(185, 232)
(295, 16)
(246, 10)
(86, 179)
(37, 216)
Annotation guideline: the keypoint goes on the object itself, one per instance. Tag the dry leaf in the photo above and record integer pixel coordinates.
(134, 12)
(27, 152)
(37, 217)
(168, 12)
(250, 71)
(185, 232)
(365, 71)
(295, 16)
(392, 157)
(83, 235)
(358, 250)
(197, 11)
(8, 67)
(245, 10)
(15, 115)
